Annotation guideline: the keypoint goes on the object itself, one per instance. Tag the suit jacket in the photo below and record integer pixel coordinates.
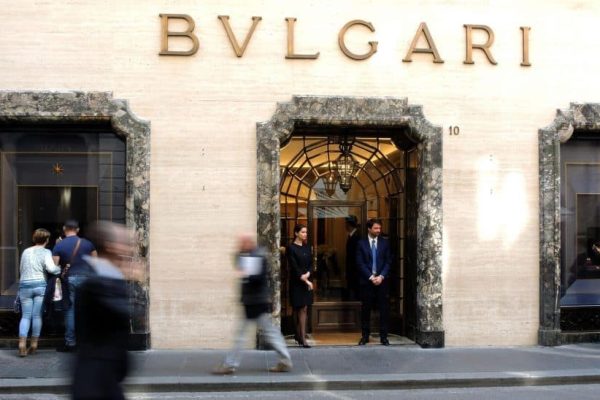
(364, 259)
(351, 269)
(351, 246)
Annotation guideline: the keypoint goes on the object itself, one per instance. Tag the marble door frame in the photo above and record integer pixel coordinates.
(362, 111)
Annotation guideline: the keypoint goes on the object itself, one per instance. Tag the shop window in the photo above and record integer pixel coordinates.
(580, 229)
(50, 173)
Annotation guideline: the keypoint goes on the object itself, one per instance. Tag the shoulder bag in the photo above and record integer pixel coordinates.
(58, 292)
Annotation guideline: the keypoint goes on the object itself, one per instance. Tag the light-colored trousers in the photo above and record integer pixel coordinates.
(270, 333)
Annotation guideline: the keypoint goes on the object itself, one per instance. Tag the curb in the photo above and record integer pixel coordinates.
(313, 382)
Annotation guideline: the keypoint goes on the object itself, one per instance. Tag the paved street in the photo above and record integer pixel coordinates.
(323, 372)
(566, 392)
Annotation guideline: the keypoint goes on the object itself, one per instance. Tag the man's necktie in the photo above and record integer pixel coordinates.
(374, 256)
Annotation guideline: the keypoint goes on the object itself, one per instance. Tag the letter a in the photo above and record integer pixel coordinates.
(423, 31)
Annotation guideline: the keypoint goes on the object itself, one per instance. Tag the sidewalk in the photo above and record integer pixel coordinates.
(323, 368)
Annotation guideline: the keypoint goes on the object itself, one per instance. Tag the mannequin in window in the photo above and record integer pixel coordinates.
(588, 263)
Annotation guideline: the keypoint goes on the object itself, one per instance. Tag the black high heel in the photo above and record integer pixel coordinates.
(306, 345)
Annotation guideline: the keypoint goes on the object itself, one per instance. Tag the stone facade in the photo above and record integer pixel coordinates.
(74, 107)
(356, 112)
(204, 109)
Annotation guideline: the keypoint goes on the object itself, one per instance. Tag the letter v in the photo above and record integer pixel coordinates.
(239, 51)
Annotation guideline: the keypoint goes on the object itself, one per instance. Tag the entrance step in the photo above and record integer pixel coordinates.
(347, 339)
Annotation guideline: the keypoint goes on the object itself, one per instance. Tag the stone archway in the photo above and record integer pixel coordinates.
(362, 111)
(75, 107)
(581, 117)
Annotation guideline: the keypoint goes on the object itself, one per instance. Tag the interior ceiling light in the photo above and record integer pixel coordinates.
(346, 166)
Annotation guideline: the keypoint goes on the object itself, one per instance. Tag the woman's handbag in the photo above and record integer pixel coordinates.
(17, 304)
(58, 295)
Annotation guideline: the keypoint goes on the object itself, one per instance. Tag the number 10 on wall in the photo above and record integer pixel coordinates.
(453, 130)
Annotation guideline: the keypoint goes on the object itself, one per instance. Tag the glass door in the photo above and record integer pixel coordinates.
(49, 206)
(335, 307)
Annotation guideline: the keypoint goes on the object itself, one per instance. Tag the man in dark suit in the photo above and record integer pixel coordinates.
(373, 260)
(352, 287)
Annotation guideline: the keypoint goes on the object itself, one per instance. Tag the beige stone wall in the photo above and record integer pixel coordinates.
(204, 109)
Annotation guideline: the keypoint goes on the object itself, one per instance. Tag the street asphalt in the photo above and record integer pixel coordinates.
(323, 368)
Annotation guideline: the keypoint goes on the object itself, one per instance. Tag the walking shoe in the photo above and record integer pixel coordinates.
(363, 340)
(281, 367)
(34, 345)
(22, 346)
(223, 370)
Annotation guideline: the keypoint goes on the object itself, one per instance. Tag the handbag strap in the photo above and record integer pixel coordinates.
(75, 250)
(72, 256)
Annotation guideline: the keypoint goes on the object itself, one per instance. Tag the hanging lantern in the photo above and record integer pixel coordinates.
(345, 166)
(330, 181)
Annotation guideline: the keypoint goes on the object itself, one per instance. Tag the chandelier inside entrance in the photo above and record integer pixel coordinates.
(338, 166)
(345, 166)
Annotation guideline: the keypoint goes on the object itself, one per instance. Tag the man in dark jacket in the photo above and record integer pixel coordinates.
(69, 253)
(374, 259)
(252, 265)
(103, 316)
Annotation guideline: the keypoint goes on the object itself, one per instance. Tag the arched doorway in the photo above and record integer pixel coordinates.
(335, 203)
(399, 120)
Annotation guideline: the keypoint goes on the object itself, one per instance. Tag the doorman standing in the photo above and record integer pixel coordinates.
(352, 286)
(373, 259)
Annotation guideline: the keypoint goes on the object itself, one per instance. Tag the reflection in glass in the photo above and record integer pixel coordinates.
(50, 173)
(580, 223)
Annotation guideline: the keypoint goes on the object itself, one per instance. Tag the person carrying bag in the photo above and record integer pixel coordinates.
(69, 253)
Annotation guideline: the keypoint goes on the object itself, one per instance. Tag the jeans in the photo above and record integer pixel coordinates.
(75, 281)
(31, 294)
(271, 334)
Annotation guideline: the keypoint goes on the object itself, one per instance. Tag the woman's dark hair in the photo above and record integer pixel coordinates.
(40, 236)
(298, 228)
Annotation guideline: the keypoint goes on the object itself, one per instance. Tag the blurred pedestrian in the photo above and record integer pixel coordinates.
(252, 266)
(301, 288)
(35, 262)
(102, 315)
(69, 253)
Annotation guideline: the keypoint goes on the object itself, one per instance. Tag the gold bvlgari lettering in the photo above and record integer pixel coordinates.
(525, 32)
(422, 30)
(342, 44)
(239, 51)
(483, 47)
(166, 33)
(291, 55)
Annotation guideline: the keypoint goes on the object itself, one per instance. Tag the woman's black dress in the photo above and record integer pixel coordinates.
(299, 261)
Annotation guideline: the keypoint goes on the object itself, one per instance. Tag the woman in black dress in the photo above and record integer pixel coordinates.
(299, 261)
